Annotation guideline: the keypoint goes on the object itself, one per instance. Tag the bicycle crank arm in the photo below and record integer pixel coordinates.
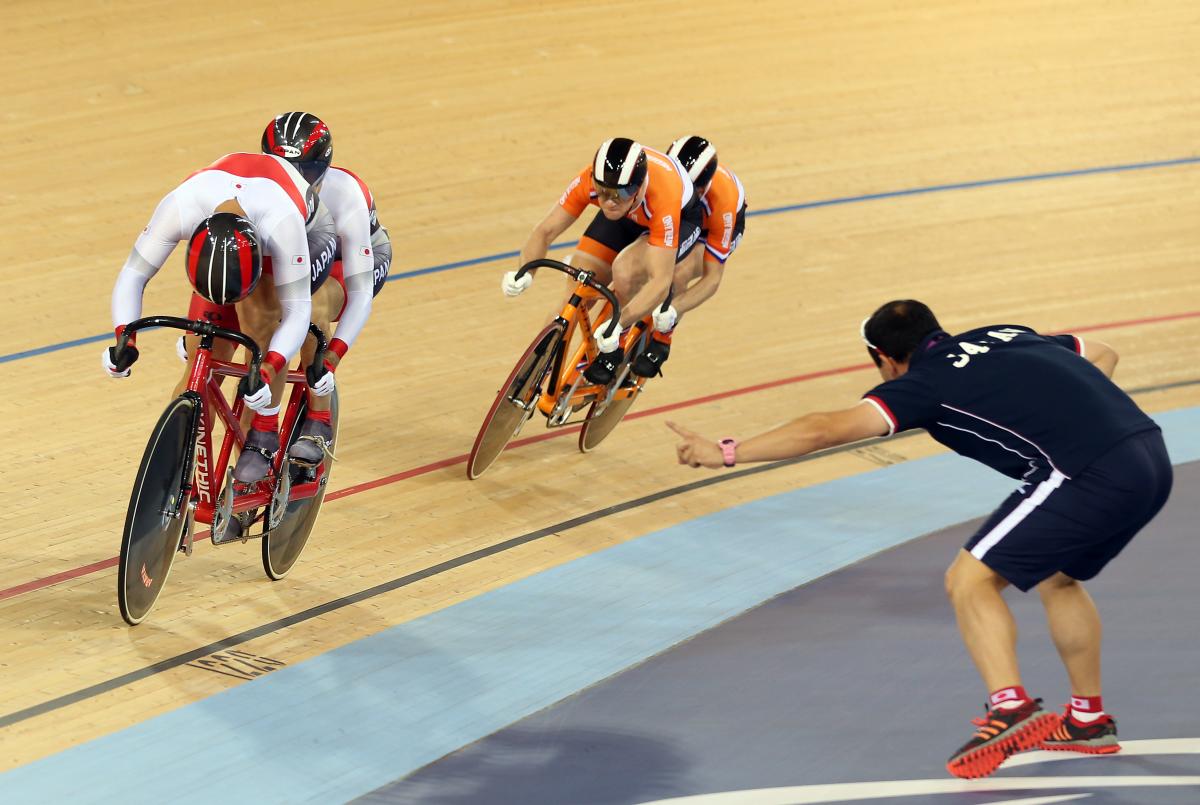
(562, 408)
(613, 387)
(279, 500)
(224, 511)
(189, 528)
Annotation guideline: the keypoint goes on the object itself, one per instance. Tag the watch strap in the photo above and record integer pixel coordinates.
(728, 447)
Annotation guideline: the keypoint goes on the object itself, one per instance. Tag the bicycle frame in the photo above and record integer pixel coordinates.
(203, 481)
(205, 381)
(568, 374)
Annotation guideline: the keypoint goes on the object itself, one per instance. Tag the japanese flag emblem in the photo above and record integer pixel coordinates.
(298, 259)
(366, 251)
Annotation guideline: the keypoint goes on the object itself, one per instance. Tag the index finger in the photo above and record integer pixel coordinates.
(682, 431)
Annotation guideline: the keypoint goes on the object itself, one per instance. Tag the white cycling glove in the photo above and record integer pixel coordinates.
(513, 286)
(110, 367)
(325, 385)
(181, 349)
(608, 343)
(260, 400)
(664, 320)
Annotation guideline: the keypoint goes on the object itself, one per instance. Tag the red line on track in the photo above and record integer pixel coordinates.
(425, 469)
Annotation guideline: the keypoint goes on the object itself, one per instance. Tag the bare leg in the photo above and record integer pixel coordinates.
(259, 315)
(687, 270)
(327, 303)
(629, 270)
(986, 624)
(1075, 627)
(601, 270)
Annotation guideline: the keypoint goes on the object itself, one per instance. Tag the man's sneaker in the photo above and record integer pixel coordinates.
(1097, 738)
(649, 363)
(604, 368)
(1002, 733)
(312, 445)
(257, 455)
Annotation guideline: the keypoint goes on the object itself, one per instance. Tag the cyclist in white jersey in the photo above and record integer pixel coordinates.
(359, 270)
(276, 200)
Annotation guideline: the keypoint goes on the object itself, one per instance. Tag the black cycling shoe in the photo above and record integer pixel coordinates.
(649, 363)
(604, 368)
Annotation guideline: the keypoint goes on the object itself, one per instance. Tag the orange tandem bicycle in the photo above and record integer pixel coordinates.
(549, 379)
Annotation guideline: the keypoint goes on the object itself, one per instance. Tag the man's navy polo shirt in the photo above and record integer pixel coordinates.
(1022, 403)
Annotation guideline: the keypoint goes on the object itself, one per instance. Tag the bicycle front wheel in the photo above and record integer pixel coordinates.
(516, 400)
(281, 545)
(150, 540)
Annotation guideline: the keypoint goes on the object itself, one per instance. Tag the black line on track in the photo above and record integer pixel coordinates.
(412, 578)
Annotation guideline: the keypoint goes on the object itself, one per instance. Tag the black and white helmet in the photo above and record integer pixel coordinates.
(698, 157)
(620, 166)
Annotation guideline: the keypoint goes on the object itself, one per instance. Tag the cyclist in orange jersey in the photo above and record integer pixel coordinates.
(722, 201)
(648, 221)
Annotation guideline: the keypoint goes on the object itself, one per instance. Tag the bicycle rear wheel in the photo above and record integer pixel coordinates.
(281, 545)
(150, 540)
(516, 400)
(597, 426)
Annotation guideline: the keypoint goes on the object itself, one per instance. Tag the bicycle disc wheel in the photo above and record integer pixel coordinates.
(510, 409)
(150, 540)
(281, 546)
(597, 427)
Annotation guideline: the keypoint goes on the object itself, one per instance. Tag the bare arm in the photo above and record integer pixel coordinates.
(660, 263)
(545, 233)
(702, 289)
(797, 438)
(1100, 355)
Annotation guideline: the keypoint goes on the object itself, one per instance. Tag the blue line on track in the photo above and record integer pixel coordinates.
(808, 205)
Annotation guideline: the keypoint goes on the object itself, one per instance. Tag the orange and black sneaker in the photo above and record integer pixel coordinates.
(1002, 733)
(1096, 738)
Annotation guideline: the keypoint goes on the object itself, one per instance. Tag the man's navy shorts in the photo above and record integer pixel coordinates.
(1077, 525)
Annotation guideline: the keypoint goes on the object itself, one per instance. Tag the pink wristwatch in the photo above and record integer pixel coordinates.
(729, 450)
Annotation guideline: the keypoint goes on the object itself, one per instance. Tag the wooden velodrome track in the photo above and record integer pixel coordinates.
(467, 120)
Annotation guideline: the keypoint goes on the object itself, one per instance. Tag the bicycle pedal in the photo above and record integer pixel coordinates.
(303, 463)
(279, 502)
